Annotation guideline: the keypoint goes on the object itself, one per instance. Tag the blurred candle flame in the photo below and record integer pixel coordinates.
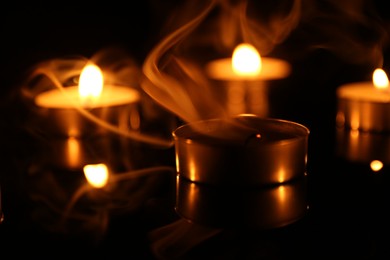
(246, 60)
(380, 79)
(90, 83)
(96, 174)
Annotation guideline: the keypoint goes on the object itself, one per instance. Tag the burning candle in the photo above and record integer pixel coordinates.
(247, 64)
(365, 105)
(65, 108)
(244, 75)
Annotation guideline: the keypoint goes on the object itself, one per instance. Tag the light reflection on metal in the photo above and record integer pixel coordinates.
(282, 175)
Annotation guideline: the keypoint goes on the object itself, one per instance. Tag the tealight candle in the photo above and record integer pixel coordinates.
(365, 105)
(244, 150)
(261, 160)
(65, 108)
(244, 75)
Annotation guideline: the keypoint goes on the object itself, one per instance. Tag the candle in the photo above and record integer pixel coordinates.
(67, 109)
(245, 150)
(242, 171)
(247, 67)
(244, 75)
(365, 105)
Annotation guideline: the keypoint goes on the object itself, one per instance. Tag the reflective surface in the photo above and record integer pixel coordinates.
(50, 210)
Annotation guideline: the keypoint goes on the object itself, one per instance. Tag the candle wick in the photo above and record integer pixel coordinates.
(88, 101)
(252, 137)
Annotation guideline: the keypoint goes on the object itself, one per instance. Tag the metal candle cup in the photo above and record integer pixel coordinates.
(59, 115)
(222, 152)
(362, 106)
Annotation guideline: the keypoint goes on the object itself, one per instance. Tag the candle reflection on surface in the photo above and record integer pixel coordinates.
(231, 206)
(96, 174)
(363, 147)
(376, 165)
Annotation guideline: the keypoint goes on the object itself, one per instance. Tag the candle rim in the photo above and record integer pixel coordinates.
(187, 131)
(348, 91)
(268, 71)
(128, 96)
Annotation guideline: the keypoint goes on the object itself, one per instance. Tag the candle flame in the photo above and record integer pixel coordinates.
(96, 174)
(90, 82)
(246, 60)
(380, 79)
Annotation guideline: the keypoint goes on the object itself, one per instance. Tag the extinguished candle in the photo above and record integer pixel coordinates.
(365, 105)
(257, 158)
(244, 76)
(245, 150)
(65, 108)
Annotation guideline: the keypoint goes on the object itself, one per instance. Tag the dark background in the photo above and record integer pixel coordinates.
(349, 205)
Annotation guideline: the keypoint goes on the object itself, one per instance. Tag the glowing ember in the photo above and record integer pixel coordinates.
(380, 79)
(96, 174)
(91, 83)
(246, 60)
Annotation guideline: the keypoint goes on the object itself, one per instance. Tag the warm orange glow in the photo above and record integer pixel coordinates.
(380, 79)
(90, 83)
(376, 165)
(73, 151)
(246, 60)
(96, 174)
